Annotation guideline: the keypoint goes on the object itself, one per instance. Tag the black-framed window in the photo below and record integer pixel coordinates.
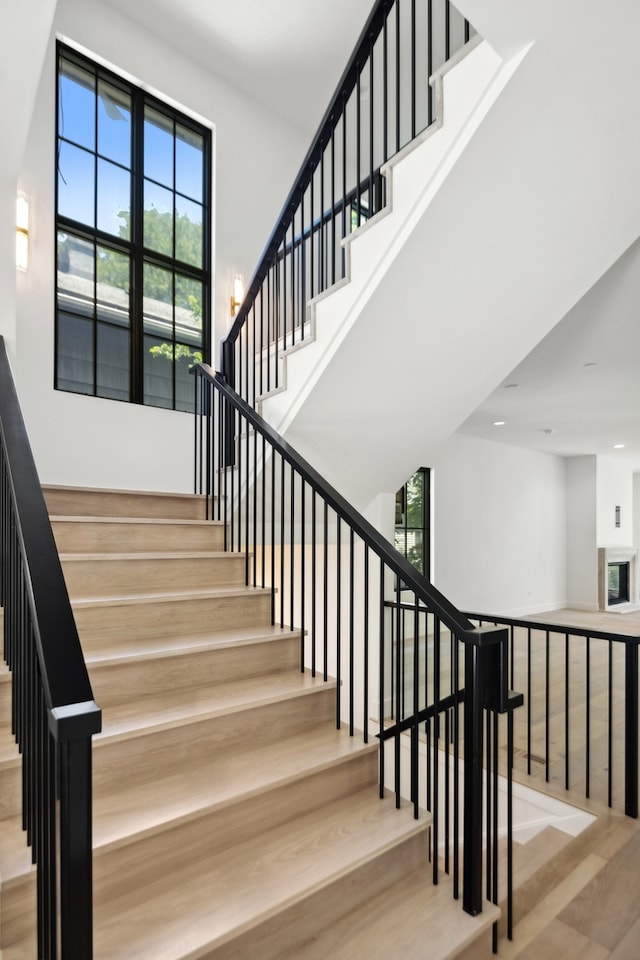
(133, 222)
(412, 522)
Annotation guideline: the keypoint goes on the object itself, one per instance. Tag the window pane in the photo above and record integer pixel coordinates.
(114, 123)
(113, 362)
(188, 231)
(158, 147)
(185, 383)
(75, 354)
(189, 310)
(75, 274)
(158, 219)
(158, 372)
(157, 301)
(76, 186)
(189, 167)
(114, 199)
(415, 499)
(113, 285)
(77, 105)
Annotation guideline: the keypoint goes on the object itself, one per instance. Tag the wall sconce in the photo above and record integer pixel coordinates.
(238, 294)
(22, 232)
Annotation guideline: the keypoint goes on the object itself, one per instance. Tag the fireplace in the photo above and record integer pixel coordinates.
(617, 582)
(617, 577)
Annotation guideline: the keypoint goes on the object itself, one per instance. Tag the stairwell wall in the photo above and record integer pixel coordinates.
(96, 442)
(500, 520)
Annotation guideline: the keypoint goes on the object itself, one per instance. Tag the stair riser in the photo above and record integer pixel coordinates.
(130, 577)
(85, 536)
(10, 789)
(115, 503)
(120, 682)
(280, 935)
(18, 910)
(164, 853)
(141, 759)
(113, 627)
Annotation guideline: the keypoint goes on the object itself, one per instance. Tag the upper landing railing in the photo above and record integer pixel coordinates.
(383, 101)
(53, 714)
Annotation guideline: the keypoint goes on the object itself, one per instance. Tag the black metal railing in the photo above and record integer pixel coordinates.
(580, 726)
(337, 579)
(383, 101)
(53, 714)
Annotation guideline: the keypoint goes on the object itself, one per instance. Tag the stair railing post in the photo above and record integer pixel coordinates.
(631, 729)
(72, 728)
(485, 687)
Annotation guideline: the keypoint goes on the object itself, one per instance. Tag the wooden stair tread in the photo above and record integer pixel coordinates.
(142, 810)
(147, 807)
(167, 596)
(178, 708)
(195, 643)
(400, 922)
(151, 521)
(152, 555)
(204, 904)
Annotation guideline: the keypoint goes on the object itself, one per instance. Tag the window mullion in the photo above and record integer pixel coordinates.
(137, 258)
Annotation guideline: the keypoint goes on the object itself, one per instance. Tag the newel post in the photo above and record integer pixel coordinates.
(485, 686)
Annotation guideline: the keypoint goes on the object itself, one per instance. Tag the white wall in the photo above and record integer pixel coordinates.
(100, 442)
(614, 488)
(499, 527)
(582, 559)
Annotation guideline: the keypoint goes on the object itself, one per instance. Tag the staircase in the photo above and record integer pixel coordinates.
(231, 818)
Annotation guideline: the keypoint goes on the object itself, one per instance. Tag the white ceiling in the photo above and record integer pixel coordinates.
(582, 381)
(287, 54)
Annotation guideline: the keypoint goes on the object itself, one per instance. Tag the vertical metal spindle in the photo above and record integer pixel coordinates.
(358, 148)
(413, 69)
(529, 692)
(382, 684)
(273, 537)
(566, 710)
(293, 284)
(255, 506)
(333, 205)
(247, 500)
(303, 497)
(397, 77)
(447, 29)
(264, 514)
(447, 794)
(351, 632)
(321, 240)
(436, 745)
(365, 632)
(456, 771)
(338, 621)
(429, 61)
(261, 377)
(546, 707)
(344, 181)
(587, 719)
(510, 824)
(325, 595)
(494, 891)
(631, 714)
(292, 559)
(313, 583)
(282, 533)
(312, 288)
(398, 697)
(610, 728)
(488, 803)
(372, 209)
(385, 88)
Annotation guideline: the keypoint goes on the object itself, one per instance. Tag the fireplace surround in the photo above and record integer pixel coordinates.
(618, 556)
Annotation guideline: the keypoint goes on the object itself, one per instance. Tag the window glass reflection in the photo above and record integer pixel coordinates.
(77, 105)
(114, 124)
(158, 147)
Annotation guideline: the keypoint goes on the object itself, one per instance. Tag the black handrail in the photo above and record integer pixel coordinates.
(382, 102)
(53, 712)
(286, 519)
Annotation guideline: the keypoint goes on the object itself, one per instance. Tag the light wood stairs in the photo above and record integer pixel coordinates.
(231, 818)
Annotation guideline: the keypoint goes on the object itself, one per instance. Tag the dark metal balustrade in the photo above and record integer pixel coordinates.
(53, 713)
(596, 747)
(333, 576)
(383, 101)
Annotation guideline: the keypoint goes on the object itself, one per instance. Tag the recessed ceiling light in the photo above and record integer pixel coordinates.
(499, 423)
(592, 363)
(511, 386)
(618, 446)
(547, 430)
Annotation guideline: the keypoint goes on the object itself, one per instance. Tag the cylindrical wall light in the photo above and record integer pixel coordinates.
(22, 232)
